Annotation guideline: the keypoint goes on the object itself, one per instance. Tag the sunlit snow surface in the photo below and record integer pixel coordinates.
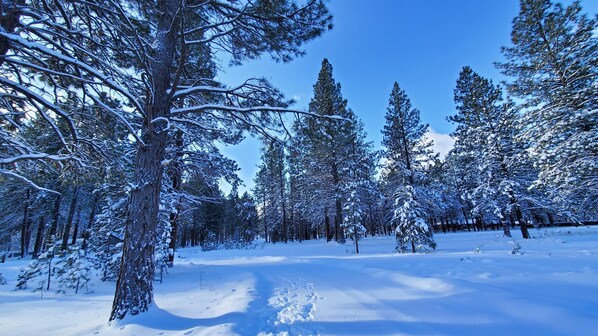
(470, 285)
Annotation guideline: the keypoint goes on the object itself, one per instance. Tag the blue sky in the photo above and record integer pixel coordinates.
(421, 44)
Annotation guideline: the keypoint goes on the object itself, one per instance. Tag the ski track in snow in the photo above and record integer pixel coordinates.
(472, 285)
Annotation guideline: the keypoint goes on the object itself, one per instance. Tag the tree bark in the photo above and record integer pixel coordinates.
(522, 223)
(505, 228)
(76, 228)
(69, 221)
(9, 20)
(92, 214)
(134, 287)
(327, 226)
(265, 221)
(55, 217)
(25, 226)
(177, 182)
(39, 238)
(285, 229)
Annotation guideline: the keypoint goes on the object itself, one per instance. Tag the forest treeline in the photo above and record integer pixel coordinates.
(111, 116)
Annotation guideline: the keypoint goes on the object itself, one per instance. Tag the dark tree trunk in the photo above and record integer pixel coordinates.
(174, 223)
(412, 246)
(327, 226)
(356, 245)
(550, 218)
(265, 222)
(177, 181)
(39, 238)
(134, 288)
(76, 228)
(25, 226)
(92, 214)
(522, 223)
(69, 221)
(338, 221)
(9, 20)
(505, 228)
(55, 217)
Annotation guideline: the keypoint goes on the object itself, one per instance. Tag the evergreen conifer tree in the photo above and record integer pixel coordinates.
(352, 223)
(553, 63)
(407, 152)
(499, 166)
(409, 219)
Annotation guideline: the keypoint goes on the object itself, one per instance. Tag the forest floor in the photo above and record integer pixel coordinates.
(470, 285)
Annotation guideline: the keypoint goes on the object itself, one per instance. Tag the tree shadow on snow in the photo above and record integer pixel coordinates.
(259, 316)
(160, 319)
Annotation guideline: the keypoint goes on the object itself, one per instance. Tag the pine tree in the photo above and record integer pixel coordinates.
(327, 139)
(485, 132)
(411, 227)
(352, 222)
(271, 186)
(407, 152)
(139, 52)
(406, 148)
(553, 65)
(73, 270)
(333, 155)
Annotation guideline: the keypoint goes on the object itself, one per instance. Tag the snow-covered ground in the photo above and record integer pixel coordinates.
(470, 285)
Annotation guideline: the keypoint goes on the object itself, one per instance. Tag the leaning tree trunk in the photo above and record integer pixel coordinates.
(522, 223)
(505, 228)
(134, 288)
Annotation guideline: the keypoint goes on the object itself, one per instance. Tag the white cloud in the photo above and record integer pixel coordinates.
(443, 143)
(298, 98)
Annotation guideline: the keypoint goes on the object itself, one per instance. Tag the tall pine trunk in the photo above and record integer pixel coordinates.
(338, 220)
(177, 182)
(39, 238)
(76, 228)
(285, 225)
(134, 288)
(94, 205)
(25, 226)
(265, 221)
(327, 225)
(69, 221)
(55, 217)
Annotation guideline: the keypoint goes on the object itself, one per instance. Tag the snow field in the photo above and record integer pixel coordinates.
(471, 285)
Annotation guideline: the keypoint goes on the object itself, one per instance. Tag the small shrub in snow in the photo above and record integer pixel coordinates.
(516, 249)
(210, 243)
(478, 249)
(2, 280)
(73, 271)
(39, 269)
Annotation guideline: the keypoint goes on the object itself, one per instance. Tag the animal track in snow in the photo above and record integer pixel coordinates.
(295, 301)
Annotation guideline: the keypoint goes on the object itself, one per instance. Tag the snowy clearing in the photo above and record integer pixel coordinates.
(471, 285)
